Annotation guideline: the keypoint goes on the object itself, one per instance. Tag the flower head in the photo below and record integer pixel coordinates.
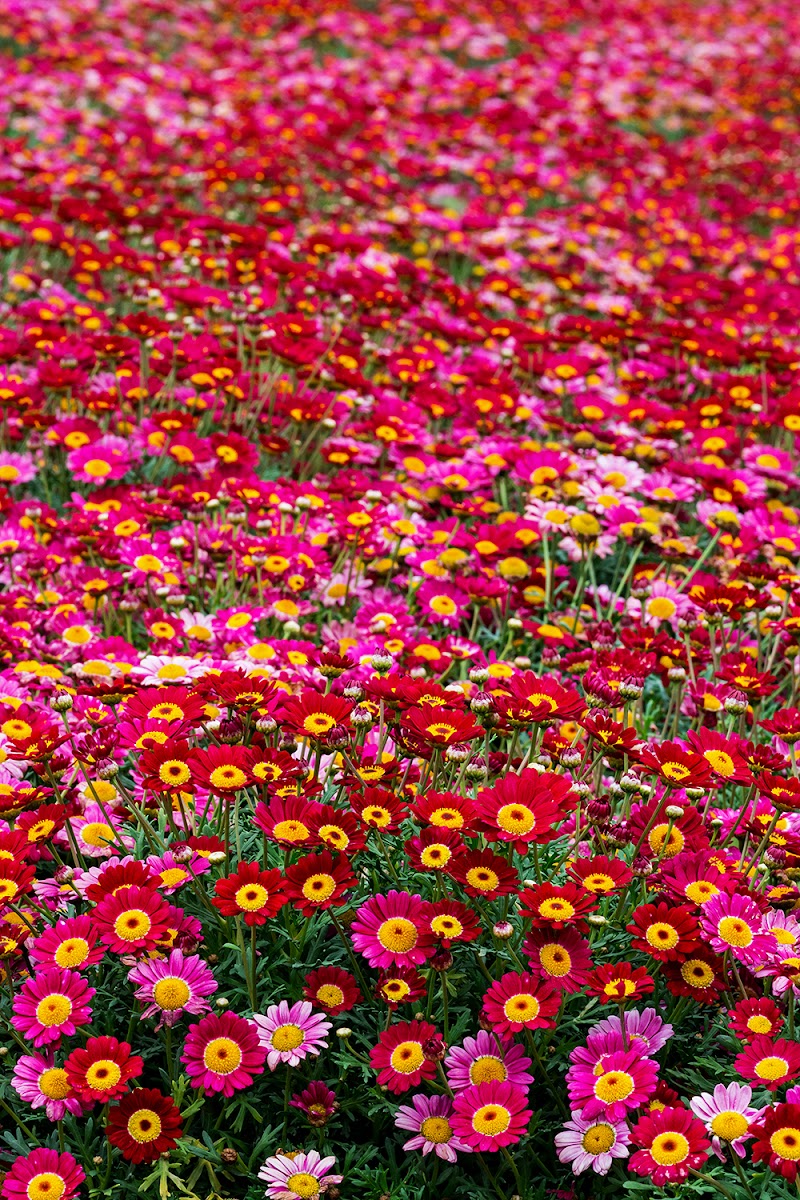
(490, 1115)
(302, 1176)
(101, 1070)
(42, 1175)
(594, 1143)
(222, 1053)
(727, 1116)
(51, 1005)
(671, 1143)
(400, 1056)
(291, 1034)
(428, 1119)
(144, 1125)
(170, 987)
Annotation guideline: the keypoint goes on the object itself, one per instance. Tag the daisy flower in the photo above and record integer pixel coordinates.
(769, 1063)
(727, 1116)
(483, 1058)
(733, 922)
(750, 1018)
(16, 468)
(592, 1143)
(98, 832)
(671, 1143)
(318, 1103)
(304, 1175)
(332, 989)
(42, 1175)
(520, 1001)
(623, 1081)
(400, 1056)
(101, 1069)
(291, 1034)
(614, 982)
(144, 1125)
(51, 1005)
(664, 931)
(251, 893)
(562, 958)
(173, 986)
(646, 1030)
(39, 1082)
(222, 1053)
(70, 943)
(318, 881)
(155, 669)
(777, 1142)
(490, 1116)
(428, 1119)
(132, 920)
(390, 930)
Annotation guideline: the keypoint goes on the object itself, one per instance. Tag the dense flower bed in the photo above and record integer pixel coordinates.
(399, 600)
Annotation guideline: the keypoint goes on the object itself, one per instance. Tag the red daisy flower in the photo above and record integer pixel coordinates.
(614, 983)
(313, 716)
(663, 837)
(42, 1174)
(399, 1058)
(700, 977)
(769, 1063)
(524, 809)
(400, 985)
(223, 770)
(434, 849)
(132, 921)
(115, 876)
(484, 874)
(755, 1018)
(450, 921)
(337, 829)
(520, 1001)
(557, 907)
(287, 821)
(251, 893)
(672, 1142)
(677, 766)
(318, 881)
(446, 810)
(777, 1139)
(144, 1125)
(564, 958)
(430, 726)
(600, 875)
(101, 1069)
(378, 808)
(664, 932)
(332, 989)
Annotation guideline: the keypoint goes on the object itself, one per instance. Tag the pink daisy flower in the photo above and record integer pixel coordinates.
(490, 1116)
(593, 1143)
(97, 832)
(40, 1083)
(484, 1058)
(733, 922)
(625, 1081)
(52, 1005)
(305, 1175)
(173, 986)
(727, 1115)
(42, 1174)
(291, 1034)
(428, 1118)
(171, 874)
(70, 943)
(647, 1031)
(390, 929)
(222, 1053)
(16, 468)
(103, 460)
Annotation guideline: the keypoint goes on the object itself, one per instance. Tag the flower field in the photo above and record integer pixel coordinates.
(399, 599)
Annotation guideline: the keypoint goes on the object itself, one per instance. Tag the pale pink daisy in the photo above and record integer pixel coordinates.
(428, 1118)
(585, 1142)
(42, 1084)
(727, 1115)
(291, 1034)
(304, 1175)
(483, 1058)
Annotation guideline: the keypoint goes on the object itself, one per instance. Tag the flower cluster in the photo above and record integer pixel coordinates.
(399, 598)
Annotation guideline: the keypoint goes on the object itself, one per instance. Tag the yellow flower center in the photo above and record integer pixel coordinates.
(96, 833)
(144, 1125)
(661, 607)
(669, 1148)
(697, 973)
(251, 897)
(491, 1119)
(599, 1138)
(330, 995)
(132, 925)
(555, 960)
(722, 763)
(398, 935)
(700, 892)
(482, 879)
(613, 1085)
(556, 909)
(521, 1007)
(54, 1009)
(448, 817)
(72, 952)
(318, 723)
(786, 1143)
(407, 1057)
(729, 1125)
(516, 818)
(446, 926)
(303, 1185)
(771, 1068)
(436, 856)
(290, 831)
(661, 936)
(598, 883)
(335, 836)
(171, 993)
(45, 1186)
(172, 876)
(486, 1068)
(436, 1129)
(174, 772)
(287, 1037)
(318, 888)
(229, 778)
(735, 931)
(222, 1055)
(103, 1075)
(53, 1083)
(657, 839)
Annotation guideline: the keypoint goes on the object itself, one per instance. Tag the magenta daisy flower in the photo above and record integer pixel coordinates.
(40, 1083)
(291, 1034)
(623, 1082)
(173, 986)
(42, 1175)
(222, 1053)
(428, 1118)
(70, 943)
(490, 1116)
(391, 929)
(484, 1058)
(304, 1175)
(52, 1005)
(727, 1116)
(592, 1143)
(733, 922)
